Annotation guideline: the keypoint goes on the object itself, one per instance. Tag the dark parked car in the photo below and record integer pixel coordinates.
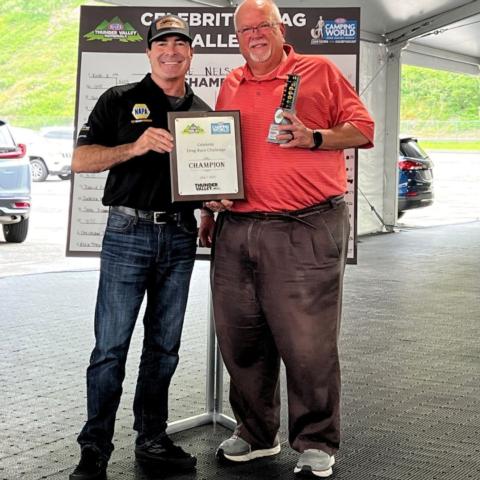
(415, 176)
(15, 187)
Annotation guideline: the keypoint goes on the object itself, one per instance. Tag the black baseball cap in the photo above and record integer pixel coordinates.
(168, 25)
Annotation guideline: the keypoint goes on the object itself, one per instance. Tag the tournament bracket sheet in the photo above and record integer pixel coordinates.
(112, 47)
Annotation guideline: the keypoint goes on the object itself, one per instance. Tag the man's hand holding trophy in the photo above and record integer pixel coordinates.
(287, 104)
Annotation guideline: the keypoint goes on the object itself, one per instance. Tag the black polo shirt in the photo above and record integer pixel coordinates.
(120, 116)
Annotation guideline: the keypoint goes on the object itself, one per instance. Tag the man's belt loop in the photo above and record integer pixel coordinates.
(335, 201)
(136, 217)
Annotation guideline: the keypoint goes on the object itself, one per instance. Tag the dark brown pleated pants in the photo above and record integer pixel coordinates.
(277, 293)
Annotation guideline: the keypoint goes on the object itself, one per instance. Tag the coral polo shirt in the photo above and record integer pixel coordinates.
(278, 179)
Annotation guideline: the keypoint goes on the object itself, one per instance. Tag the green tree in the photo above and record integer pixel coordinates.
(437, 95)
(38, 61)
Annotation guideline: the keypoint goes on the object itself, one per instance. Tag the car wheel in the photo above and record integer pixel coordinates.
(65, 176)
(16, 232)
(39, 170)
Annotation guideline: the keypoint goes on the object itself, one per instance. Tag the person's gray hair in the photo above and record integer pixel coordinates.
(275, 11)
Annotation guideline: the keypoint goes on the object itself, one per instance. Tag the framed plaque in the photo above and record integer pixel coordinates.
(206, 160)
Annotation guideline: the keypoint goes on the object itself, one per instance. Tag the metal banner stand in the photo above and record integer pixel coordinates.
(213, 387)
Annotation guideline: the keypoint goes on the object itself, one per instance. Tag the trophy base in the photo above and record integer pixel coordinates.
(273, 132)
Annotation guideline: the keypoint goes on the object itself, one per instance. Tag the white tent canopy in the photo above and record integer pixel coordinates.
(444, 29)
(440, 34)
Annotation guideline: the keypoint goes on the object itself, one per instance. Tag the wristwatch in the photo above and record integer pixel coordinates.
(317, 139)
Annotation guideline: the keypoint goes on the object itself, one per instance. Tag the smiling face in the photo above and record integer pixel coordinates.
(170, 59)
(260, 35)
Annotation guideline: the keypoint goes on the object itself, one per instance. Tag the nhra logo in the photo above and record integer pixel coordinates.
(339, 30)
(220, 128)
(141, 113)
(114, 29)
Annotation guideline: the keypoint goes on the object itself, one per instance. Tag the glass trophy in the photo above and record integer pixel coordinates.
(287, 104)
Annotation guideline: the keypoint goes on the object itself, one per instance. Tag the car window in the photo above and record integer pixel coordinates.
(6, 139)
(412, 149)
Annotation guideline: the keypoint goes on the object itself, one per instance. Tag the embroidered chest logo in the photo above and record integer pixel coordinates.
(141, 113)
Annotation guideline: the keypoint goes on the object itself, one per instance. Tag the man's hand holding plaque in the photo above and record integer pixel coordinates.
(206, 160)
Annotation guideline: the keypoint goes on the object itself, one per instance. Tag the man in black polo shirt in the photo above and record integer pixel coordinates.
(149, 246)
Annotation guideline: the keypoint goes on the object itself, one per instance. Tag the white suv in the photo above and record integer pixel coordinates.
(15, 187)
(49, 150)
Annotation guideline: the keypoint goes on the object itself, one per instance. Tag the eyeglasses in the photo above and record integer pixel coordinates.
(262, 28)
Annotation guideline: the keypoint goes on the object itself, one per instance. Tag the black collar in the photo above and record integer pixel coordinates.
(154, 91)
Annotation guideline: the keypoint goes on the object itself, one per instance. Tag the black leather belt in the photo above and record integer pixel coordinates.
(297, 215)
(159, 218)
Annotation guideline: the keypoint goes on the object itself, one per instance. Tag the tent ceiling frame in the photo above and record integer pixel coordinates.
(443, 54)
(436, 22)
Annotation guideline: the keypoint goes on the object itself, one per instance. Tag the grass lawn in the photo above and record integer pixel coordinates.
(473, 146)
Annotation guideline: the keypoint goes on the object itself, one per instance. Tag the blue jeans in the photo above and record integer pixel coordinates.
(137, 256)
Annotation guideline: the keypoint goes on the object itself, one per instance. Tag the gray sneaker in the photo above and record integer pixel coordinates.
(315, 462)
(236, 449)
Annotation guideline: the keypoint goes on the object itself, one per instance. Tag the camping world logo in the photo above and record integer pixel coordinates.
(339, 30)
(220, 128)
(115, 29)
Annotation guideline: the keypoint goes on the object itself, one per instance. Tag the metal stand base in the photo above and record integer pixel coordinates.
(213, 387)
(225, 421)
(200, 420)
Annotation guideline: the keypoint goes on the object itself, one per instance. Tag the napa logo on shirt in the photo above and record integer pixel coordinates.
(141, 113)
(220, 128)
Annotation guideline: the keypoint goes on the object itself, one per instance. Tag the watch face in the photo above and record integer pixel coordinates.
(278, 117)
(317, 139)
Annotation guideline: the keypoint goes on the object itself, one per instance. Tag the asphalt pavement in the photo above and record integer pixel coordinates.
(409, 346)
(456, 182)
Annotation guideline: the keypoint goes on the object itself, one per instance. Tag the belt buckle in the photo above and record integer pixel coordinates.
(157, 218)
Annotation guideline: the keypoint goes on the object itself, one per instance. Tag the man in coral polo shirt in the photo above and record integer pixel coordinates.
(279, 255)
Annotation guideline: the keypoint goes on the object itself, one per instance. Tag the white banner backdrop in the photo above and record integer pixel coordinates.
(112, 52)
